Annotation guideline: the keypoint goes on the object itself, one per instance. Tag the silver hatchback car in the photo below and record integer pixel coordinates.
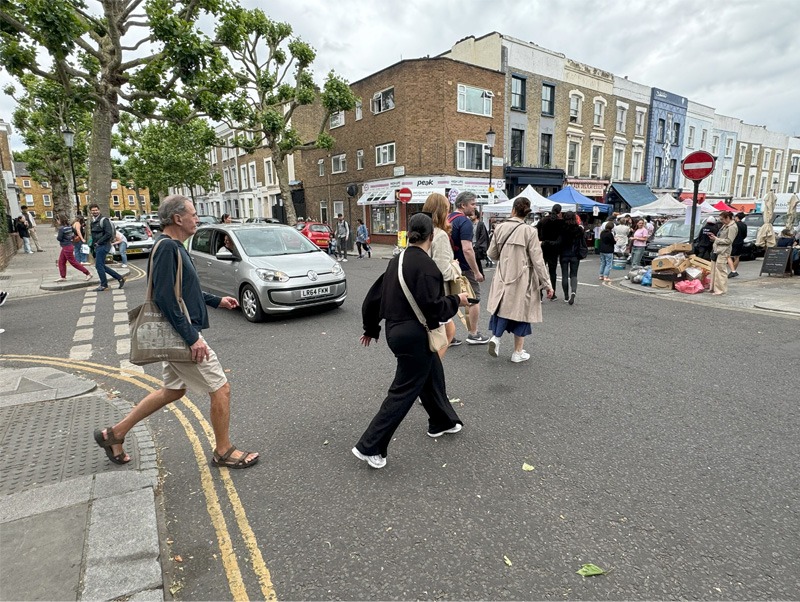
(269, 268)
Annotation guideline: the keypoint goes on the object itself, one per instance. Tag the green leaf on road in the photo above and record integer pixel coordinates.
(588, 570)
(506, 560)
(527, 467)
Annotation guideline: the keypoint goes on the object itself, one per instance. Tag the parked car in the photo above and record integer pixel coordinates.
(128, 218)
(261, 220)
(671, 232)
(316, 232)
(778, 221)
(270, 268)
(152, 221)
(140, 239)
(749, 248)
(208, 219)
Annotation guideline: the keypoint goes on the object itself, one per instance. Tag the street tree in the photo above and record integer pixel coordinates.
(272, 68)
(43, 106)
(149, 59)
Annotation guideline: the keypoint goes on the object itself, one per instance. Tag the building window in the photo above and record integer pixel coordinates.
(225, 179)
(384, 220)
(597, 161)
(213, 156)
(545, 150)
(360, 158)
(622, 115)
(795, 167)
(474, 100)
(714, 145)
(323, 211)
(636, 166)
(657, 163)
(48, 214)
(26, 183)
(754, 156)
(791, 187)
(690, 140)
(339, 163)
(660, 130)
(131, 201)
(29, 200)
(385, 154)
(46, 200)
(763, 188)
(517, 147)
(778, 161)
(321, 167)
(767, 157)
(729, 147)
(599, 112)
(518, 93)
(751, 184)
(640, 123)
(243, 178)
(269, 173)
(673, 173)
(573, 158)
(575, 105)
(114, 185)
(738, 189)
(472, 156)
(548, 99)
(44, 184)
(676, 133)
(115, 200)
(742, 153)
(703, 138)
(337, 119)
(619, 163)
(224, 153)
(726, 179)
(359, 111)
(382, 101)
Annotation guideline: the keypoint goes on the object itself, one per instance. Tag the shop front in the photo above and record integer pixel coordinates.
(593, 189)
(387, 216)
(545, 181)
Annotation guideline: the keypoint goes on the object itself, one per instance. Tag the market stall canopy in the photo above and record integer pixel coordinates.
(704, 207)
(666, 204)
(634, 194)
(723, 207)
(539, 204)
(568, 195)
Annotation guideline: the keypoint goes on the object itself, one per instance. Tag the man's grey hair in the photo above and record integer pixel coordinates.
(172, 205)
(463, 198)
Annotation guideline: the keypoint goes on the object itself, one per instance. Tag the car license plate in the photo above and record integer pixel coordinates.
(652, 253)
(134, 251)
(315, 292)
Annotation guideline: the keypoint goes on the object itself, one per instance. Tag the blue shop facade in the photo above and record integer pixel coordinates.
(665, 141)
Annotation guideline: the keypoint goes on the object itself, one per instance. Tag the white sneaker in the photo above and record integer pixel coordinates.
(522, 356)
(377, 461)
(494, 346)
(451, 431)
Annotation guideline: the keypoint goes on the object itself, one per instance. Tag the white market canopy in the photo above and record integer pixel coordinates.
(663, 205)
(539, 204)
(704, 207)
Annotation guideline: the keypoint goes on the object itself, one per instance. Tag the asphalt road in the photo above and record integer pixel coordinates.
(664, 438)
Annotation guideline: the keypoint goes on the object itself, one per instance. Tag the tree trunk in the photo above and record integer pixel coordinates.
(100, 156)
(62, 199)
(282, 172)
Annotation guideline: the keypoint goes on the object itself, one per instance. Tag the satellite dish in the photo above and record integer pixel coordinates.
(352, 190)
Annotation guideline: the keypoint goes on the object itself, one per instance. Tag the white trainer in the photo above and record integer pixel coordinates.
(522, 356)
(376, 461)
(494, 346)
(451, 431)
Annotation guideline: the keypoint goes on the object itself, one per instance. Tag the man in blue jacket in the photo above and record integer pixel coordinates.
(205, 374)
(102, 238)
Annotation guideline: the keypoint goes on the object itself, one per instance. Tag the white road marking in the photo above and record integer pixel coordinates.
(121, 317)
(581, 283)
(87, 309)
(126, 365)
(123, 346)
(80, 352)
(84, 334)
(121, 330)
(85, 320)
(121, 306)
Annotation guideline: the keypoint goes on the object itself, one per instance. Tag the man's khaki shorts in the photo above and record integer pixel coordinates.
(476, 286)
(205, 377)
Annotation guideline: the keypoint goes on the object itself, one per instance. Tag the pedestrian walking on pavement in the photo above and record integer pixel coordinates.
(22, 229)
(550, 228)
(571, 238)
(606, 248)
(342, 237)
(65, 237)
(738, 245)
(521, 276)
(419, 370)
(30, 217)
(79, 239)
(102, 239)
(204, 374)
(362, 240)
(723, 242)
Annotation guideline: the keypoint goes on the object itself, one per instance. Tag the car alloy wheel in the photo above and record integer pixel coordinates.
(251, 306)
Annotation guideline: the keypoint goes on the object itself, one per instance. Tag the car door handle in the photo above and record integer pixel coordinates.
(208, 263)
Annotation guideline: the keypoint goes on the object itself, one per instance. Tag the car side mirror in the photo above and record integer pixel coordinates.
(225, 254)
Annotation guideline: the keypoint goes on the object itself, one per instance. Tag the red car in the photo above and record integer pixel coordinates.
(316, 232)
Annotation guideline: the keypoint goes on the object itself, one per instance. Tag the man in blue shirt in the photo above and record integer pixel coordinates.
(461, 239)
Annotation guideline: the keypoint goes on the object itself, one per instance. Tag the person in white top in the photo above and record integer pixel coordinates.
(122, 243)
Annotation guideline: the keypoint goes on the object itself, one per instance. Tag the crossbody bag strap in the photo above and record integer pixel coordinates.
(505, 240)
(408, 294)
(178, 277)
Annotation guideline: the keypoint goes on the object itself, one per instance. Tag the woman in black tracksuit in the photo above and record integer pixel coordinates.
(571, 235)
(419, 370)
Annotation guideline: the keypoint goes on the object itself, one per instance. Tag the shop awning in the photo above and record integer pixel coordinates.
(571, 196)
(634, 194)
(379, 197)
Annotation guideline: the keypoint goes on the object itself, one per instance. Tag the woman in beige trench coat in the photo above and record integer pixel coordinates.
(521, 276)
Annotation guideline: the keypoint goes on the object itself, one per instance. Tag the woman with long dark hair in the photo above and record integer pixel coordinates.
(569, 257)
(419, 370)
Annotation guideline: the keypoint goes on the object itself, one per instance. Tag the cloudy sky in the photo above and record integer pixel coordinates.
(741, 57)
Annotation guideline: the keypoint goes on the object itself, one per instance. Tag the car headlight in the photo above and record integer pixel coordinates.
(272, 275)
(336, 270)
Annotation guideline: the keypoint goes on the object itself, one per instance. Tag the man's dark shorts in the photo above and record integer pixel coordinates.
(736, 250)
(475, 284)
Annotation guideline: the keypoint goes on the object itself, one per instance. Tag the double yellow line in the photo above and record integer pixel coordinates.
(228, 555)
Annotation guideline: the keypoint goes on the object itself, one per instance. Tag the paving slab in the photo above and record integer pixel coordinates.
(45, 499)
(28, 385)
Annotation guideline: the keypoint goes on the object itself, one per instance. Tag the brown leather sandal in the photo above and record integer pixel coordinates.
(107, 442)
(225, 459)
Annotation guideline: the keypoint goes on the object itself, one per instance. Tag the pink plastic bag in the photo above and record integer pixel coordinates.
(690, 287)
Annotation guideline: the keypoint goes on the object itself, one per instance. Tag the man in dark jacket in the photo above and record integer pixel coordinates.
(205, 374)
(102, 238)
(703, 243)
(738, 245)
(481, 240)
(550, 228)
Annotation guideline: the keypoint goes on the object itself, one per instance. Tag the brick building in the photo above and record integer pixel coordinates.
(420, 124)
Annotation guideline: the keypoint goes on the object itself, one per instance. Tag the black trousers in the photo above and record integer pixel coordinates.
(569, 274)
(552, 264)
(419, 374)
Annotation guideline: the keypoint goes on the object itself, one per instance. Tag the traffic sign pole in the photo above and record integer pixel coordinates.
(694, 211)
(697, 166)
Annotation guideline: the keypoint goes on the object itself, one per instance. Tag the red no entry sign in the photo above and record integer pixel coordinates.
(404, 195)
(698, 165)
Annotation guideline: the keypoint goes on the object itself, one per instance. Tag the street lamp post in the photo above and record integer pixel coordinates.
(69, 141)
(490, 143)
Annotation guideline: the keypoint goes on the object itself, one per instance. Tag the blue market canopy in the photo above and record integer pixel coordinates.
(568, 195)
(635, 195)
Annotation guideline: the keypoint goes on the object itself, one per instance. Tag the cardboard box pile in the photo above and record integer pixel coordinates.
(675, 263)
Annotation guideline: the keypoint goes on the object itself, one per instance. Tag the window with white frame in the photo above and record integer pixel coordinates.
(323, 211)
(472, 156)
(762, 189)
(474, 100)
(548, 99)
(742, 153)
(382, 101)
(778, 160)
(690, 140)
(575, 105)
(339, 163)
(243, 177)
(252, 169)
(658, 164)
(115, 200)
(636, 166)
(726, 179)
(573, 158)
(518, 85)
(714, 145)
(767, 158)
(234, 182)
(622, 116)
(751, 183)
(729, 147)
(131, 201)
(321, 167)
(114, 185)
(29, 199)
(795, 166)
(338, 208)
(754, 156)
(640, 115)
(359, 111)
(599, 112)
(224, 153)
(660, 130)
(48, 214)
(225, 179)
(232, 150)
(46, 200)
(269, 172)
(738, 189)
(213, 156)
(385, 154)
(703, 138)
(337, 119)
(597, 161)
(618, 163)
(360, 158)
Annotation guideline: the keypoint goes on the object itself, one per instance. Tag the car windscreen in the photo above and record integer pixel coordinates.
(754, 219)
(780, 220)
(673, 228)
(134, 233)
(265, 242)
(318, 228)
